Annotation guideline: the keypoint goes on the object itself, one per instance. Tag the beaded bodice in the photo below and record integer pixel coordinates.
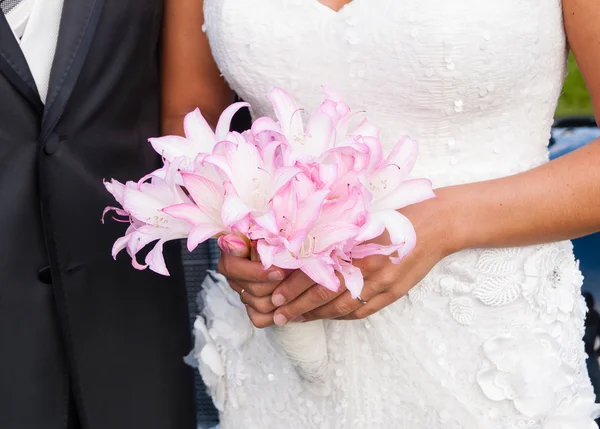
(474, 82)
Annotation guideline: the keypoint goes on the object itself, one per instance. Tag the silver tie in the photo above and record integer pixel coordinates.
(7, 5)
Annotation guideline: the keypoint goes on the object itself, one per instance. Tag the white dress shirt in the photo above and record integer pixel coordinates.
(35, 24)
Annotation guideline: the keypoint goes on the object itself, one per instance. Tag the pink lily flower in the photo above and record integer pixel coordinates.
(143, 203)
(303, 229)
(391, 191)
(200, 139)
(253, 177)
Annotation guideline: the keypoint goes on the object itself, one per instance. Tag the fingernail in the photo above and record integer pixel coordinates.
(299, 319)
(280, 319)
(275, 276)
(278, 300)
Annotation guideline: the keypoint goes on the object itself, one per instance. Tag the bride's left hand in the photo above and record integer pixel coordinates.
(299, 299)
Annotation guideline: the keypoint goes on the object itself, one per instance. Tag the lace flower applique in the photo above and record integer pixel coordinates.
(525, 368)
(223, 325)
(552, 281)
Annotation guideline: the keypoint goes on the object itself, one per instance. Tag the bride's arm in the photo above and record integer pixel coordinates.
(559, 200)
(190, 77)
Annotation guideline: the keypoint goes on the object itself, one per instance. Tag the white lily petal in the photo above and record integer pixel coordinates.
(404, 156)
(224, 123)
(268, 222)
(200, 233)
(190, 213)
(321, 273)
(353, 278)
(320, 135)
(120, 244)
(205, 193)
(173, 147)
(286, 111)
(156, 261)
(326, 236)
(405, 194)
(197, 130)
(233, 210)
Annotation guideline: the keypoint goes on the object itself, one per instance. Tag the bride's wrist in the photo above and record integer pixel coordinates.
(453, 210)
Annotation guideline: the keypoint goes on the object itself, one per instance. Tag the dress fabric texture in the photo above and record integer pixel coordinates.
(491, 338)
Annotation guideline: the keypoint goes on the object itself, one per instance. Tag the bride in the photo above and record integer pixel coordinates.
(481, 326)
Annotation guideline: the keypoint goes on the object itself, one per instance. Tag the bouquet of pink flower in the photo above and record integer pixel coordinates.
(307, 197)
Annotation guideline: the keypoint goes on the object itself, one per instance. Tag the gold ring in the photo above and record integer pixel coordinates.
(242, 296)
(362, 301)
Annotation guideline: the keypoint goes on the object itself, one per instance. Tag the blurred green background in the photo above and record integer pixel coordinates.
(574, 99)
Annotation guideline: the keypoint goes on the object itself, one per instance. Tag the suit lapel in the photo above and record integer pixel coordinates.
(14, 66)
(78, 25)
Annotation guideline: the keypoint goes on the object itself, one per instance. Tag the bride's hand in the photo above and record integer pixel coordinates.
(254, 285)
(385, 282)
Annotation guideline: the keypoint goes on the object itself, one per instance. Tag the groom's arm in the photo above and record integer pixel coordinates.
(190, 77)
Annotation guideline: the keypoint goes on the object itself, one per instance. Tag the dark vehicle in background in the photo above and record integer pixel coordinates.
(568, 134)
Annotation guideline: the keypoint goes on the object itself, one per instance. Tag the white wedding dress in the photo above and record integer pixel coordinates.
(491, 338)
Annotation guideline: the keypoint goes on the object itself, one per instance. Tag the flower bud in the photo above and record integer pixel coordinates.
(235, 245)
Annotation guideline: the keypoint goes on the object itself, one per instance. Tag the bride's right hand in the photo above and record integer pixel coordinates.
(254, 284)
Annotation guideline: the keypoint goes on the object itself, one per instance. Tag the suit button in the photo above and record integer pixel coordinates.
(45, 275)
(52, 144)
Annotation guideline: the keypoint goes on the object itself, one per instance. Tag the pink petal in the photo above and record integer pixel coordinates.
(366, 129)
(142, 237)
(287, 111)
(327, 174)
(283, 259)
(197, 129)
(200, 233)
(117, 190)
(263, 124)
(268, 222)
(220, 161)
(190, 213)
(408, 192)
(172, 147)
(294, 242)
(224, 123)
(370, 249)
(204, 192)
(266, 253)
(400, 229)
(375, 152)
(328, 235)
(404, 156)
(331, 94)
(120, 244)
(156, 261)
(143, 205)
(321, 273)
(320, 135)
(372, 228)
(233, 210)
(235, 245)
(282, 176)
(353, 278)
(311, 209)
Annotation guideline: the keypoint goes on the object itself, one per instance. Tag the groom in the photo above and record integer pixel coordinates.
(85, 342)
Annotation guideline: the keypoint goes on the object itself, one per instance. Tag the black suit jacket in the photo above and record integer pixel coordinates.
(71, 318)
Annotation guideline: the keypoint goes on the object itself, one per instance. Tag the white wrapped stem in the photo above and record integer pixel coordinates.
(305, 346)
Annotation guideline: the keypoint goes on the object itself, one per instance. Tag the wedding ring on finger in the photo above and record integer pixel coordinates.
(242, 296)
(362, 301)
